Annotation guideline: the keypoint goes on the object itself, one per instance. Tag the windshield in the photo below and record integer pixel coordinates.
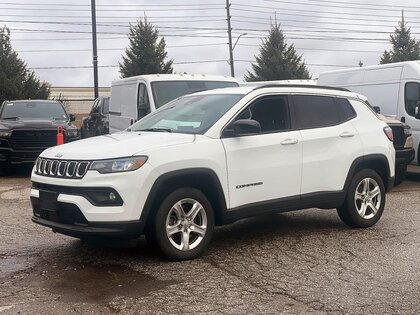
(34, 110)
(166, 91)
(193, 114)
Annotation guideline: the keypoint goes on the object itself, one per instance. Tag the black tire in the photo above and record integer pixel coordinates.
(157, 234)
(400, 173)
(349, 214)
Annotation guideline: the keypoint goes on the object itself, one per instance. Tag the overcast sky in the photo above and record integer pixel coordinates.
(330, 34)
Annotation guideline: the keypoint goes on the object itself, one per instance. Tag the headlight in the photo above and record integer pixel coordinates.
(71, 133)
(5, 134)
(118, 165)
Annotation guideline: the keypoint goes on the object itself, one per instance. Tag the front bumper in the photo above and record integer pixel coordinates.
(18, 156)
(404, 157)
(120, 230)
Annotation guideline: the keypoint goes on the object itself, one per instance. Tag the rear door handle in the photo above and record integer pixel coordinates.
(346, 134)
(289, 141)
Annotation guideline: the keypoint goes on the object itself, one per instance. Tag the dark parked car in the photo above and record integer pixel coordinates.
(28, 127)
(97, 123)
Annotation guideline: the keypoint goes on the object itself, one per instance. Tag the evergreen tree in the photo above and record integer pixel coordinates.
(404, 47)
(16, 82)
(277, 60)
(145, 54)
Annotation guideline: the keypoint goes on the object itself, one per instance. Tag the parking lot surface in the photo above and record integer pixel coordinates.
(292, 263)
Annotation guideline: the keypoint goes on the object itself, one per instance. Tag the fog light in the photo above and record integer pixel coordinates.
(112, 196)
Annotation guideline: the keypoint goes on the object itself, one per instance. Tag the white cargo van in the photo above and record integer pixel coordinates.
(134, 97)
(395, 88)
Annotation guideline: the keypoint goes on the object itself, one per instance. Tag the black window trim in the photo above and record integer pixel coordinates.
(250, 103)
(334, 97)
(405, 95)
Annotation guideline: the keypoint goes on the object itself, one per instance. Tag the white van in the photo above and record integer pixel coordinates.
(134, 97)
(395, 88)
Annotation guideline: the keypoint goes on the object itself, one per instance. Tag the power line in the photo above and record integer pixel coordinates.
(339, 14)
(119, 10)
(337, 6)
(181, 63)
(112, 5)
(369, 4)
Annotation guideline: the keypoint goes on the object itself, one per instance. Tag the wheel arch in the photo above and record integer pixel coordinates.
(377, 162)
(204, 179)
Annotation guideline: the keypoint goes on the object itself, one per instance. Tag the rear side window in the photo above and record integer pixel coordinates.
(316, 111)
(347, 111)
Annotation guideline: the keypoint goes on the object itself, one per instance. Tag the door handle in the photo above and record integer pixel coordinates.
(289, 141)
(346, 134)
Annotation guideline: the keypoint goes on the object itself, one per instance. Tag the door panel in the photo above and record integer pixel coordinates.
(327, 156)
(261, 168)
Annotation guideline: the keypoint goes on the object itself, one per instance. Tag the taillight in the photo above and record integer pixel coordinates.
(388, 133)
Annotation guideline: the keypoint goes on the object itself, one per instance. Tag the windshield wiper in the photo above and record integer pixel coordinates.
(10, 118)
(156, 129)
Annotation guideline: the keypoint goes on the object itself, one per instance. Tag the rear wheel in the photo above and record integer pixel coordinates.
(183, 225)
(365, 200)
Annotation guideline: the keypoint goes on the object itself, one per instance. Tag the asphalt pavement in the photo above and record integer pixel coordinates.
(304, 262)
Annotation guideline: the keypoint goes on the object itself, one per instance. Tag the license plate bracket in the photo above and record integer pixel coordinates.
(48, 200)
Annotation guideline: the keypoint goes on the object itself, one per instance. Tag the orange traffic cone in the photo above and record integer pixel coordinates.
(60, 137)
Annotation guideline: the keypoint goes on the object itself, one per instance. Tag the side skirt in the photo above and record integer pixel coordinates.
(323, 200)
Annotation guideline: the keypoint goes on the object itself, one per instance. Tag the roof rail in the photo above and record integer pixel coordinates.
(311, 86)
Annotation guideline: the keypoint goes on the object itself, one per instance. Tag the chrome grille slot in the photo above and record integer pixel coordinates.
(71, 169)
(61, 168)
(54, 165)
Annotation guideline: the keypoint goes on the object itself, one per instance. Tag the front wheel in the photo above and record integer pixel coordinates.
(365, 200)
(183, 225)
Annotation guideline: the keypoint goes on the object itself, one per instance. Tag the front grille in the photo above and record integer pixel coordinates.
(399, 136)
(33, 139)
(61, 168)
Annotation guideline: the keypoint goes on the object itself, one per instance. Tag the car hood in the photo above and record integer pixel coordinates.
(33, 124)
(116, 145)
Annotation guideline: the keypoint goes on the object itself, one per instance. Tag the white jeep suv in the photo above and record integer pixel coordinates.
(217, 156)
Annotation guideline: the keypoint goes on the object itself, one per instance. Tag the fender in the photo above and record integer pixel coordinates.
(388, 181)
(187, 177)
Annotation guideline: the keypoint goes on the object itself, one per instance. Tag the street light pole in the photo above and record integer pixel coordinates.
(232, 70)
(95, 50)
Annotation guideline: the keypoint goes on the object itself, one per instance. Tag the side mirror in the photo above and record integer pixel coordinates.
(242, 127)
(72, 117)
(377, 109)
(417, 110)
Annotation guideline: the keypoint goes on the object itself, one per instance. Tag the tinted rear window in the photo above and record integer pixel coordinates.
(316, 111)
(347, 111)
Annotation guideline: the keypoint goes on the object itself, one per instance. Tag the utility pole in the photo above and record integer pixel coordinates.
(95, 50)
(232, 69)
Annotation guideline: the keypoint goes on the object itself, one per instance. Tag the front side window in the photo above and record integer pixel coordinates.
(105, 106)
(316, 111)
(33, 110)
(272, 112)
(143, 106)
(412, 96)
(193, 114)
